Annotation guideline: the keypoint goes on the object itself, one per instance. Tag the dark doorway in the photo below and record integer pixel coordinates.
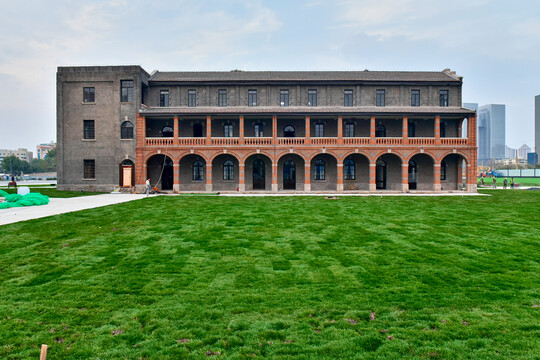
(288, 131)
(197, 130)
(380, 174)
(258, 175)
(289, 175)
(413, 175)
(168, 175)
(380, 130)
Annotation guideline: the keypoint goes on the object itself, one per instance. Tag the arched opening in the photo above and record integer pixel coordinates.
(159, 169)
(380, 130)
(288, 131)
(126, 130)
(127, 173)
(258, 169)
(225, 173)
(356, 172)
(323, 173)
(192, 173)
(388, 172)
(167, 131)
(455, 172)
(421, 172)
(291, 172)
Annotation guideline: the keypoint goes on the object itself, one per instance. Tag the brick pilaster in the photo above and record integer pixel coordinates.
(308, 130)
(340, 130)
(274, 132)
(372, 178)
(241, 178)
(176, 177)
(274, 177)
(209, 131)
(437, 130)
(372, 131)
(405, 131)
(436, 176)
(307, 177)
(208, 176)
(241, 130)
(339, 177)
(405, 177)
(175, 130)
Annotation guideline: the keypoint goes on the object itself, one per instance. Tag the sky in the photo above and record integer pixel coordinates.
(494, 45)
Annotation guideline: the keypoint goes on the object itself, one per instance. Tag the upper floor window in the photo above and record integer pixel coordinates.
(228, 170)
(192, 98)
(89, 129)
(349, 129)
(443, 97)
(381, 97)
(312, 97)
(319, 130)
(222, 97)
(347, 98)
(284, 97)
(415, 97)
(126, 93)
(89, 94)
(89, 169)
(258, 129)
(252, 97)
(126, 130)
(198, 171)
(319, 169)
(164, 98)
(228, 130)
(349, 169)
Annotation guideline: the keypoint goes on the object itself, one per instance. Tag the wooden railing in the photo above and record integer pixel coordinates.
(159, 141)
(324, 141)
(355, 141)
(291, 141)
(258, 141)
(389, 141)
(454, 141)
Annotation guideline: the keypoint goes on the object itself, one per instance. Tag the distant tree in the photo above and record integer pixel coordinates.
(14, 166)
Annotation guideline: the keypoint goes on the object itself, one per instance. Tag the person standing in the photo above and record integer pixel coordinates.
(147, 187)
(512, 183)
(494, 182)
(505, 182)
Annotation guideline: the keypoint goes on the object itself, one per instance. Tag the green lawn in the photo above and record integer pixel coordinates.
(521, 181)
(291, 277)
(52, 192)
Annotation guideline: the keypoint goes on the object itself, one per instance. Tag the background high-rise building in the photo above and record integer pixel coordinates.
(43, 149)
(537, 126)
(523, 151)
(491, 133)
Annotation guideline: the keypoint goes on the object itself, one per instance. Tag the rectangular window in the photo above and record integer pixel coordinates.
(164, 98)
(252, 97)
(381, 97)
(228, 130)
(349, 129)
(192, 98)
(222, 97)
(89, 94)
(319, 130)
(348, 98)
(415, 97)
(312, 97)
(258, 129)
(89, 169)
(443, 97)
(89, 129)
(284, 98)
(126, 93)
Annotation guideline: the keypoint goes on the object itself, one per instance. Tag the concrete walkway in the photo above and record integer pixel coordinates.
(63, 205)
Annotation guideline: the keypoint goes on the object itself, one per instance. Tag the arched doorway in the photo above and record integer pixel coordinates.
(380, 174)
(413, 175)
(291, 172)
(388, 172)
(259, 177)
(421, 172)
(159, 169)
(127, 173)
(258, 170)
(454, 174)
(289, 175)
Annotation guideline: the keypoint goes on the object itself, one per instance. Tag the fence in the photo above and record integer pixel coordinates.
(520, 172)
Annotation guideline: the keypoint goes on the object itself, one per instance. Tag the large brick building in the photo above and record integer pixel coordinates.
(263, 131)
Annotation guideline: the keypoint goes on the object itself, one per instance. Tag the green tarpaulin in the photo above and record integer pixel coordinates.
(16, 200)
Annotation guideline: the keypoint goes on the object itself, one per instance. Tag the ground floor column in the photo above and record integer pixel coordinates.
(436, 176)
(176, 177)
(460, 175)
(208, 176)
(241, 178)
(339, 177)
(405, 177)
(274, 177)
(140, 172)
(307, 177)
(372, 178)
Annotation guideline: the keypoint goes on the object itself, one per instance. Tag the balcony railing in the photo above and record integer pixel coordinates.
(225, 141)
(421, 141)
(355, 141)
(161, 141)
(453, 141)
(192, 141)
(389, 141)
(324, 140)
(291, 141)
(258, 141)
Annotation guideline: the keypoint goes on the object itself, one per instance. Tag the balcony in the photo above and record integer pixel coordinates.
(355, 141)
(258, 141)
(324, 141)
(421, 141)
(454, 141)
(291, 141)
(389, 141)
(225, 141)
(159, 141)
(190, 141)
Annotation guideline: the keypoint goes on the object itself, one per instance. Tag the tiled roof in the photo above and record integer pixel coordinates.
(246, 110)
(270, 76)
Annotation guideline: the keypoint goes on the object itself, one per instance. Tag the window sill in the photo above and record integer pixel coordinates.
(85, 179)
(88, 140)
(89, 103)
(127, 139)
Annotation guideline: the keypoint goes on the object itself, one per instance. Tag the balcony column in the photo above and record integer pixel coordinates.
(471, 131)
(274, 177)
(340, 130)
(405, 177)
(436, 176)
(241, 177)
(472, 166)
(176, 177)
(405, 130)
(241, 130)
(307, 178)
(372, 178)
(460, 175)
(437, 130)
(308, 131)
(209, 136)
(208, 177)
(274, 134)
(140, 167)
(460, 129)
(340, 177)
(175, 140)
(372, 132)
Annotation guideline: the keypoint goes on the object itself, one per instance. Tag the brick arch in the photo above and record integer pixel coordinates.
(183, 155)
(347, 154)
(381, 153)
(327, 152)
(428, 153)
(450, 152)
(265, 153)
(232, 153)
(148, 156)
(285, 152)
